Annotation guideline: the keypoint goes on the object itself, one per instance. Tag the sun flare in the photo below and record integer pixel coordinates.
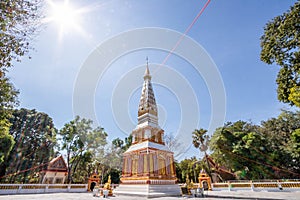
(64, 15)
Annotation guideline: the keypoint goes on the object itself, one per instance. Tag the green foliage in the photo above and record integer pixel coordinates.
(294, 147)
(128, 142)
(81, 141)
(268, 151)
(112, 158)
(200, 139)
(124, 145)
(84, 169)
(118, 143)
(19, 21)
(178, 172)
(278, 131)
(115, 176)
(111, 163)
(34, 136)
(280, 45)
(234, 144)
(190, 167)
(294, 95)
(6, 144)
(8, 98)
(18, 24)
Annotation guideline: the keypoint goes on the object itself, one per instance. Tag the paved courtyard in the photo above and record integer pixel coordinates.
(210, 195)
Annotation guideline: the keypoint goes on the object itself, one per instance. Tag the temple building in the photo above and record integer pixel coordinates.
(55, 172)
(148, 165)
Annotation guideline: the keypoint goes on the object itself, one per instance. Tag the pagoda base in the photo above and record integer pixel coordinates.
(147, 190)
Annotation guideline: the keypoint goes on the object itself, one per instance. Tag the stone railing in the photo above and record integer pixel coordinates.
(41, 188)
(258, 186)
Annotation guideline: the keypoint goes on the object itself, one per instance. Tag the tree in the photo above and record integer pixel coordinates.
(111, 163)
(241, 148)
(85, 168)
(8, 100)
(266, 151)
(115, 155)
(178, 172)
(279, 133)
(34, 136)
(188, 167)
(19, 22)
(79, 139)
(117, 143)
(128, 142)
(294, 95)
(294, 147)
(6, 144)
(200, 140)
(280, 45)
(171, 142)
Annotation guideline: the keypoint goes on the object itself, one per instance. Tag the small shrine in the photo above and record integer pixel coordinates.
(94, 180)
(55, 172)
(204, 178)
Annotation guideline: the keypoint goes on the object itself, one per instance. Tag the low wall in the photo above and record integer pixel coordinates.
(41, 188)
(257, 186)
(230, 186)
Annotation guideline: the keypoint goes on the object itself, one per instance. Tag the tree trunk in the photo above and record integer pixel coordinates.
(2, 171)
(69, 167)
(208, 166)
(76, 164)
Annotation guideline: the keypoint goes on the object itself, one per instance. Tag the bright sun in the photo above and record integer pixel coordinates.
(64, 15)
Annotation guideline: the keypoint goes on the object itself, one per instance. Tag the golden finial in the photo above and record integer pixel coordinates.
(147, 71)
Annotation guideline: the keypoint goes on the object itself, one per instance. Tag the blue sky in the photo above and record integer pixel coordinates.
(228, 31)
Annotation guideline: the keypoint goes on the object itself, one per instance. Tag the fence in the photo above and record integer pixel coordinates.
(258, 186)
(230, 186)
(41, 188)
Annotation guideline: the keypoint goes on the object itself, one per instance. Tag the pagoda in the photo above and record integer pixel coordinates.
(148, 165)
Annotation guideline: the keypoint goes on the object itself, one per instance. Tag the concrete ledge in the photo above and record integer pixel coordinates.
(147, 190)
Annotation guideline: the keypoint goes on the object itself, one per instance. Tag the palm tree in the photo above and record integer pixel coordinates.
(200, 140)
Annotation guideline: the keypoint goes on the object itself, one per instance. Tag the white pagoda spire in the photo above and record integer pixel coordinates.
(147, 112)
